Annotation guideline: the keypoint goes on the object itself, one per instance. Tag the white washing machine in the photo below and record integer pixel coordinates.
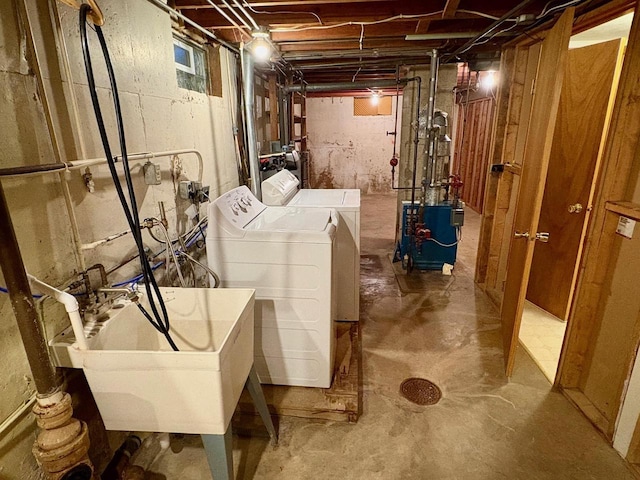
(286, 255)
(282, 189)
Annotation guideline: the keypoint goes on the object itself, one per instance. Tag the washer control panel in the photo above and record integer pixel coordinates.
(239, 206)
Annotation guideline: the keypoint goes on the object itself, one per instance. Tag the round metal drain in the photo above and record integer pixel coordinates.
(420, 391)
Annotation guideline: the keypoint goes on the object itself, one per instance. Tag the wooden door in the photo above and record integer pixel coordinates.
(534, 171)
(585, 105)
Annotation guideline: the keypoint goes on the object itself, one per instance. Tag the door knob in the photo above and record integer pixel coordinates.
(575, 208)
(540, 236)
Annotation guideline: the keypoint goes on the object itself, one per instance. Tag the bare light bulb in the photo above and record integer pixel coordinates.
(489, 81)
(375, 99)
(260, 47)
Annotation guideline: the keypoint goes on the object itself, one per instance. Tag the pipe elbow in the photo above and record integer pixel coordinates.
(69, 301)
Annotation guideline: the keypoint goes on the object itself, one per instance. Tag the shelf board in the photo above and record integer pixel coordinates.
(626, 209)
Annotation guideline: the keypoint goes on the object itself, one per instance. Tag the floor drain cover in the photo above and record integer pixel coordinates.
(420, 391)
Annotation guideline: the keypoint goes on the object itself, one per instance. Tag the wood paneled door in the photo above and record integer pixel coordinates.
(586, 102)
(546, 99)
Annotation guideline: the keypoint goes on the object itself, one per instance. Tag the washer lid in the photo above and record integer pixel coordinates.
(333, 198)
(292, 219)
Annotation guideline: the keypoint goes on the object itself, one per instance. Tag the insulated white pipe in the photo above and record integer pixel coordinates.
(248, 15)
(200, 28)
(237, 15)
(136, 157)
(228, 18)
(70, 304)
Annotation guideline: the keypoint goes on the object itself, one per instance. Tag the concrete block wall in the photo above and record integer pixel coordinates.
(157, 115)
(447, 79)
(348, 151)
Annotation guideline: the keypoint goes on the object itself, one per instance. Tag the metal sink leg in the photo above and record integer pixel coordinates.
(257, 395)
(219, 450)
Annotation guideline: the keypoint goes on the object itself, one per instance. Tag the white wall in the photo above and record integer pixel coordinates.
(158, 116)
(348, 151)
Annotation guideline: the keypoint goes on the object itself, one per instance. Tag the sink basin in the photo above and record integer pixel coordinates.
(140, 384)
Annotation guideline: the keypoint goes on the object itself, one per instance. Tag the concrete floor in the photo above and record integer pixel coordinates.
(444, 329)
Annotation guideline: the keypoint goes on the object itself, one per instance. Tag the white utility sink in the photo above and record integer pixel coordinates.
(140, 384)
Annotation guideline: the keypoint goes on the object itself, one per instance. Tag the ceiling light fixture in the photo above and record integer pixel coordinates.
(489, 80)
(260, 47)
(375, 98)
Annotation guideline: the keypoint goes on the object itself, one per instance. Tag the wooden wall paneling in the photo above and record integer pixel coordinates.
(486, 151)
(516, 125)
(498, 134)
(475, 151)
(274, 120)
(459, 143)
(479, 137)
(469, 151)
(466, 147)
(602, 246)
(473, 137)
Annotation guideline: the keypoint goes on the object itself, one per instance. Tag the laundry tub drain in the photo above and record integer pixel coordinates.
(420, 391)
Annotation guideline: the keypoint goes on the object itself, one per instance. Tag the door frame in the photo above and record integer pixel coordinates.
(613, 188)
(537, 153)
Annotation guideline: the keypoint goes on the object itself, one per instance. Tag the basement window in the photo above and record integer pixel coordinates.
(367, 106)
(191, 66)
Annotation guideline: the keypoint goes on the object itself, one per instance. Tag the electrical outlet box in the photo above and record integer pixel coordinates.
(152, 174)
(184, 189)
(194, 191)
(457, 217)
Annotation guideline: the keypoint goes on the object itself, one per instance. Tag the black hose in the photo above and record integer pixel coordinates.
(160, 322)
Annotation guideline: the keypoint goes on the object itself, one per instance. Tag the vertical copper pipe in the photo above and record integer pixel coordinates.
(15, 276)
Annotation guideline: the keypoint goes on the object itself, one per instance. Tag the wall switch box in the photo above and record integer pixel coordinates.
(152, 174)
(625, 227)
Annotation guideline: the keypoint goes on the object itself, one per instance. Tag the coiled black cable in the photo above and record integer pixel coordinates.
(160, 322)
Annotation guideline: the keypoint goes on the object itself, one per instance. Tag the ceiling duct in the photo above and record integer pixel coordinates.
(338, 86)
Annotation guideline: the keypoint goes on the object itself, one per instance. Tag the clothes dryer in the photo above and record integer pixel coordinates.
(282, 189)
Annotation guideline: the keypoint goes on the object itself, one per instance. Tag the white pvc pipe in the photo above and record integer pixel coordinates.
(97, 243)
(70, 304)
(244, 10)
(17, 413)
(136, 157)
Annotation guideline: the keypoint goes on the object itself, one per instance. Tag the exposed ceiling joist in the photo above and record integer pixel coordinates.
(334, 39)
(450, 8)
